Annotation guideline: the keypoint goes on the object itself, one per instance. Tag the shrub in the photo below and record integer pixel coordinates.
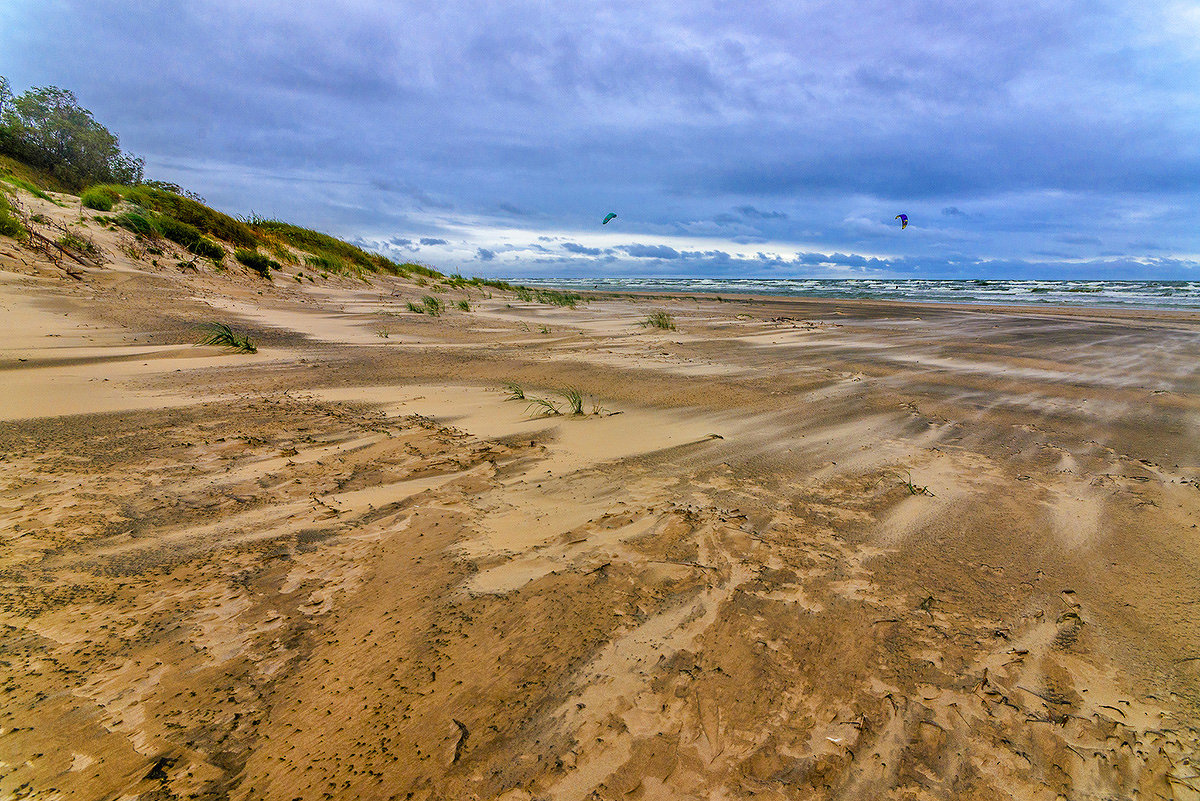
(256, 261)
(100, 198)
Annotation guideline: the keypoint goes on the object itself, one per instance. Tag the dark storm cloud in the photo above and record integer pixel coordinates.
(483, 254)
(575, 247)
(777, 124)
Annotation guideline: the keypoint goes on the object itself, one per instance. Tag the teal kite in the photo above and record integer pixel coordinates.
(609, 217)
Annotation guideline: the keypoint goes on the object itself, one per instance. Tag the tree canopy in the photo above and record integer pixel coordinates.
(46, 127)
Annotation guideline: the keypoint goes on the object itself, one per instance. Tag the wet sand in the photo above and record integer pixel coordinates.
(792, 550)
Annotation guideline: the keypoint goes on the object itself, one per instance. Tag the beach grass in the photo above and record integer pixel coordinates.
(659, 319)
(221, 334)
(433, 306)
(913, 489)
(464, 305)
(514, 390)
(574, 399)
(542, 407)
(256, 261)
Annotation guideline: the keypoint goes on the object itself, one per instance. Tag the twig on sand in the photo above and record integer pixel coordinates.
(463, 734)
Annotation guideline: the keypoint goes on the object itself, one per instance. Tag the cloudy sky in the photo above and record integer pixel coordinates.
(1040, 138)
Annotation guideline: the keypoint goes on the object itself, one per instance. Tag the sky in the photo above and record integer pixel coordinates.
(1023, 139)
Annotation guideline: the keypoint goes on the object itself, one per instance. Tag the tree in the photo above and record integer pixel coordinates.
(48, 128)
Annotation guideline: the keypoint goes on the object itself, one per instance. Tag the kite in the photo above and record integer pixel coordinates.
(609, 217)
(903, 218)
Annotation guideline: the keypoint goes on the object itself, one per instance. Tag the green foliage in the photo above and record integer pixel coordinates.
(410, 267)
(193, 213)
(433, 306)
(189, 236)
(28, 187)
(100, 198)
(138, 222)
(329, 264)
(465, 305)
(514, 391)
(47, 128)
(416, 307)
(256, 261)
(222, 334)
(331, 254)
(660, 319)
(9, 224)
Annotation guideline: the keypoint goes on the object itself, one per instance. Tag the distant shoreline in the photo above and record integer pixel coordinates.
(1115, 295)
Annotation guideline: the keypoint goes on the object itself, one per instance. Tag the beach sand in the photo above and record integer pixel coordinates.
(794, 550)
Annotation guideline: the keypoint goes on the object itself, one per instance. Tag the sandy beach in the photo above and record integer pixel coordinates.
(789, 550)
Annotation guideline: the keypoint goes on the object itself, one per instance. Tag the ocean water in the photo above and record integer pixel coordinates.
(1127, 294)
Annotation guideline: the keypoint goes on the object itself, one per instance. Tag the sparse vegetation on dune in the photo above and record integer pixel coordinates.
(256, 261)
(659, 319)
(552, 297)
(221, 334)
(330, 254)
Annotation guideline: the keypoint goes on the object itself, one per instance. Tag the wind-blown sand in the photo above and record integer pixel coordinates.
(348, 567)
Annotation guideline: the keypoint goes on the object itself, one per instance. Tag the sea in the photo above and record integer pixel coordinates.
(1109, 294)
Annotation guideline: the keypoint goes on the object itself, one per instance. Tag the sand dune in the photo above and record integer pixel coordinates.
(865, 551)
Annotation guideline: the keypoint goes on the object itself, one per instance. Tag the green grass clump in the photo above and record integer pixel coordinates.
(574, 399)
(256, 261)
(9, 224)
(416, 307)
(659, 319)
(464, 304)
(514, 391)
(433, 306)
(138, 222)
(222, 334)
(100, 198)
